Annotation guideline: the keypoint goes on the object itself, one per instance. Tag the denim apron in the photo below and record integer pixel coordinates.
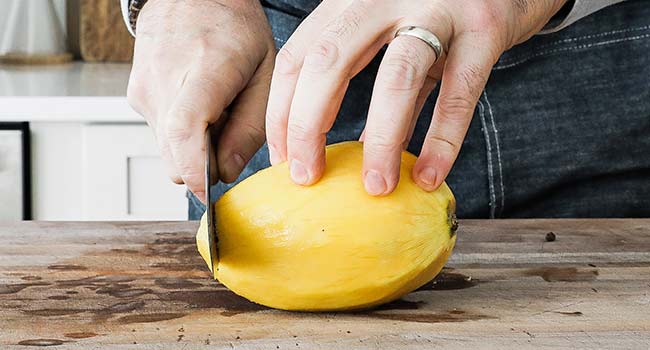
(562, 128)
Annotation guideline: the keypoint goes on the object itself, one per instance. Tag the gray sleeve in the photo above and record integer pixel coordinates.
(581, 9)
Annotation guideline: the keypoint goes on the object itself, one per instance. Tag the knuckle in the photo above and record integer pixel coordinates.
(448, 149)
(287, 61)
(474, 78)
(238, 74)
(376, 146)
(191, 177)
(191, 174)
(136, 95)
(183, 115)
(489, 20)
(322, 56)
(297, 132)
(255, 133)
(401, 73)
(177, 132)
(176, 178)
(326, 52)
(455, 107)
(486, 16)
(219, 81)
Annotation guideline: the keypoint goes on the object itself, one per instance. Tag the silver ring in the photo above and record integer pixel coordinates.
(424, 35)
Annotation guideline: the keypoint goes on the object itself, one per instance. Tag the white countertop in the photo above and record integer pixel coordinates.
(74, 92)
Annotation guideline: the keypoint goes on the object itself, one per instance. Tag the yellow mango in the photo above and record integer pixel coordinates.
(330, 246)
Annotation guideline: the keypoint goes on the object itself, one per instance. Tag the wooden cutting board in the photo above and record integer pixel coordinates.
(103, 36)
(94, 285)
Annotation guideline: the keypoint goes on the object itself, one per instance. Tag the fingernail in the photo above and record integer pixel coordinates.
(374, 183)
(299, 173)
(427, 177)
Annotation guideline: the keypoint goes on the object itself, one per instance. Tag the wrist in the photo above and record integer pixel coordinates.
(131, 9)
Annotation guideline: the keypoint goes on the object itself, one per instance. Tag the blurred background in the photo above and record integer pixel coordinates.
(59, 7)
(70, 146)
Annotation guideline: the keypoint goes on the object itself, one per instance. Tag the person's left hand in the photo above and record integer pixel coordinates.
(341, 37)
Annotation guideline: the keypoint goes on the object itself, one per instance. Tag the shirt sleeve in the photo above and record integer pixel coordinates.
(580, 9)
(125, 15)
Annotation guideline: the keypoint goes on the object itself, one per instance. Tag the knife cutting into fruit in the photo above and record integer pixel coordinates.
(502, 91)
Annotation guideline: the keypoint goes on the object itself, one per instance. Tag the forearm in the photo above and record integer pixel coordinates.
(579, 10)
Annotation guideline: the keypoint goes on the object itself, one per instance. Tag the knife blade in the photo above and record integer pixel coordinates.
(211, 179)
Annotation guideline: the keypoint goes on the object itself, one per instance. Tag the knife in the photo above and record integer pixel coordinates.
(211, 179)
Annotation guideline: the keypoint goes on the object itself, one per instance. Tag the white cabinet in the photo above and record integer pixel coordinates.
(101, 172)
(125, 178)
(56, 171)
(93, 157)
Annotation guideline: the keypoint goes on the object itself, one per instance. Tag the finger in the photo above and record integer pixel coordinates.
(168, 160)
(160, 136)
(429, 85)
(200, 101)
(400, 79)
(139, 96)
(425, 92)
(467, 69)
(243, 135)
(288, 63)
(346, 46)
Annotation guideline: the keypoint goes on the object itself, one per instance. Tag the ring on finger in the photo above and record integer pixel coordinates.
(425, 35)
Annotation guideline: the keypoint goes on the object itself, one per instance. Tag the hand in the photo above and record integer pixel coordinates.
(341, 37)
(193, 59)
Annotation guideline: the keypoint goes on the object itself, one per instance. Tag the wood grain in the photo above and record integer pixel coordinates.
(103, 36)
(143, 286)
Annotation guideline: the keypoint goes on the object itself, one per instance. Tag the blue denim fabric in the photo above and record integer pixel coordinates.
(561, 130)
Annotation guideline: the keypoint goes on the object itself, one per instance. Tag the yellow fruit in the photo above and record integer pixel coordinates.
(330, 246)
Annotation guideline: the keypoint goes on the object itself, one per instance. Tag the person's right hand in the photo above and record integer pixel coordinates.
(193, 59)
